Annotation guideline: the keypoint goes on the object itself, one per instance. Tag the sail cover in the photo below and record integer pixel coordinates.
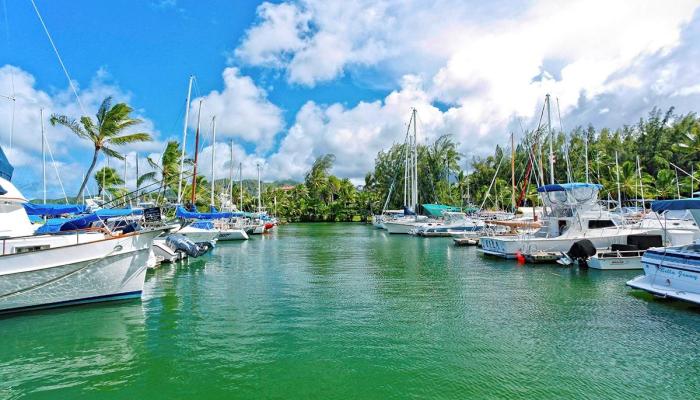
(182, 213)
(681, 204)
(52, 210)
(85, 220)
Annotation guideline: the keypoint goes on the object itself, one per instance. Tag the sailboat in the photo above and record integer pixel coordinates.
(53, 270)
(197, 232)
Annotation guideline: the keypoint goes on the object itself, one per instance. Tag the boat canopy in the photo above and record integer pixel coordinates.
(436, 210)
(680, 204)
(52, 210)
(85, 220)
(563, 187)
(180, 212)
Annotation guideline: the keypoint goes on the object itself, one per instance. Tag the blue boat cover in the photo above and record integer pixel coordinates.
(180, 212)
(52, 210)
(5, 166)
(85, 220)
(568, 186)
(408, 211)
(680, 204)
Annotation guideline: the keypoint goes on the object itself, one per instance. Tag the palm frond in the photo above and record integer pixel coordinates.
(69, 123)
(111, 153)
(130, 138)
(147, 177)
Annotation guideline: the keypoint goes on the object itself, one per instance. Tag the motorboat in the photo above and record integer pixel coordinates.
(453, 223)
(573, 213)
(70, 266)
(672, 271)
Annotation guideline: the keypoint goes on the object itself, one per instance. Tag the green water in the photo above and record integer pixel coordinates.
(343, 311)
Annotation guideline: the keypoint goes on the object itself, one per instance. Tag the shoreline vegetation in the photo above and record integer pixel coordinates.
(660, 150)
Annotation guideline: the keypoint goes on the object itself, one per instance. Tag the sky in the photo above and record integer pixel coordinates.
(289, 81)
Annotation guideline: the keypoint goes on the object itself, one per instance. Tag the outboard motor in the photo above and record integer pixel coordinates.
(581, 251)
(181, 243)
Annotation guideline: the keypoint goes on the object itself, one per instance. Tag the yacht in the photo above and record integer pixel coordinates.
(573, 213)
(672, 271)
(453, 223)
(71, 266)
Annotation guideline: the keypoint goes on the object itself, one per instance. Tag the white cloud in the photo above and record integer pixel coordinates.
(490, 64)
(242, 111)
(71, 154)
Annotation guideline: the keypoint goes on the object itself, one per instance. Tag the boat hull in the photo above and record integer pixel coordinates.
(670, 274)
(110, 269)
(615, 263)
(401, 228)
(232, 234)
(511, 246)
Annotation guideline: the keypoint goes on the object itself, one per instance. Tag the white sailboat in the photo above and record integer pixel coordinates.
(41, 271)
(226, 227)
(409, 220)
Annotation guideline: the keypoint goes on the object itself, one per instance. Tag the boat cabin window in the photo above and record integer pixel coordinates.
(600, 223)
(28, 249)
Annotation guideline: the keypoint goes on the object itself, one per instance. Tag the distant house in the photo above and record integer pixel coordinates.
(287, 188)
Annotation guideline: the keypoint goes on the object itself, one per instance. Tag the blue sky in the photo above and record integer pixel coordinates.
(289, 81)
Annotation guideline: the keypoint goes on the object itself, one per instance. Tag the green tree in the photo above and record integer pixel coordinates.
(108, 180)
(104, 133)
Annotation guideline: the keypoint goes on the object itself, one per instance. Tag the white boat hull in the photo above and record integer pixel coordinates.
(110, 269)
(615, 263)
(198, 235)
(400, 227)
(232, 234)
(510, 246)
(666, 275)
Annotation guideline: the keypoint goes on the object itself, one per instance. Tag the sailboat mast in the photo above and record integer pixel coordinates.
(415, 162)
(512, 170)
(184, 139)
(196, 154)
(641, 184)
(213, 157)
(551, 140)
(619, 196)
(138, 197)
(259, 193)
(230, 173)
(240, 183)
(585, 152)
(43, 154)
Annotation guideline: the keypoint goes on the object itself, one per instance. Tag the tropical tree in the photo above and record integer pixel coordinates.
(108, 180)
(166, 170)
(104, 133)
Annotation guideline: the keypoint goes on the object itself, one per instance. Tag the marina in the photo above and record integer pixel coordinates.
(289, 315)
(314, 200)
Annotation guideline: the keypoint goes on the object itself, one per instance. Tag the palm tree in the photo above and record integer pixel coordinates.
(105, 133)
(167, 170)
(108, 179)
